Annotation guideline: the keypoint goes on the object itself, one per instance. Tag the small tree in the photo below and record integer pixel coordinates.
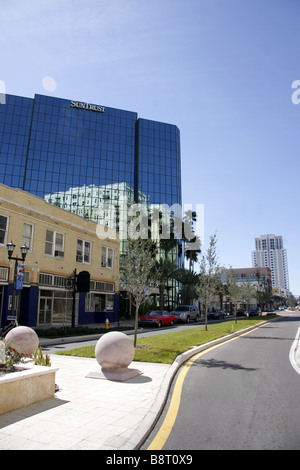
(208, 275)
(233, 290)
(137, 274)
(291, 300)
(248, 292)
(263, 294)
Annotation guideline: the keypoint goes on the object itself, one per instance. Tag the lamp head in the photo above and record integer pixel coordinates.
(10, 249)
(24, 249)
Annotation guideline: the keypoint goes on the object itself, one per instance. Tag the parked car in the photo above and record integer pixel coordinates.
(240, 312)
(157, 318)
(254, 311)
(269, 310)
(186, 313)
(282, 307)
(218, 314)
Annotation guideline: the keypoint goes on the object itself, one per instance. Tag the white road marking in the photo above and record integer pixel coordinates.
(294, 352)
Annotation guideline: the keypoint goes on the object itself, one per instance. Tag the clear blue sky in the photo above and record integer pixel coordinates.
(221, 70)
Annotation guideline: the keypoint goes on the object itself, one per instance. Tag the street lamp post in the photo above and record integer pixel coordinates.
(78, 283)
(10, 250)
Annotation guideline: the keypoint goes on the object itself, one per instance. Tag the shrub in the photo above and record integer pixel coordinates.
(40, 359)
(10, 358)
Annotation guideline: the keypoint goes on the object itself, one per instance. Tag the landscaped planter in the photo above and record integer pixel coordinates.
(29, 384)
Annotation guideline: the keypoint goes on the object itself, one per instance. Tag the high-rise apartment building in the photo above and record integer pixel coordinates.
(269, 252)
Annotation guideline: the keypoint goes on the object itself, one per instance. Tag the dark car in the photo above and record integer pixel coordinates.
(240, 312)
(254, 311)
(269, 310)
(217, 315)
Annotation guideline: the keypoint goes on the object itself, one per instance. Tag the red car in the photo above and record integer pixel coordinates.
(158, 318)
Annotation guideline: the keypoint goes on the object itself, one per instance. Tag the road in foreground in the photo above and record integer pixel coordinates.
(244, 394)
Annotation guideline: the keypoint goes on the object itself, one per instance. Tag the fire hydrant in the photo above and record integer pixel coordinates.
(107, 323)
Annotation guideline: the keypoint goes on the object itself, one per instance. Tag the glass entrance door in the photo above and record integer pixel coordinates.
(45, 309)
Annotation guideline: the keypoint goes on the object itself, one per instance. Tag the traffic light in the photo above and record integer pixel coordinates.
(83, 281)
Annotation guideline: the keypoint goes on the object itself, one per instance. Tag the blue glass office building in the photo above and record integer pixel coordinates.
(78, 155)
(50, 145)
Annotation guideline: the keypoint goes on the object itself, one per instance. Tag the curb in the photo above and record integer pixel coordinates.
(72, 339)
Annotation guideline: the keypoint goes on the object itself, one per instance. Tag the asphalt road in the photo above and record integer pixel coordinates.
(243, 394)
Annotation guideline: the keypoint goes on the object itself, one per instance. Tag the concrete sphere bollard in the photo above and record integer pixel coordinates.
(23, 339)
(114, 351)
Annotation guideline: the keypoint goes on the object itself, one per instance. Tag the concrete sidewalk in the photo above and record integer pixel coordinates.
(88, 413)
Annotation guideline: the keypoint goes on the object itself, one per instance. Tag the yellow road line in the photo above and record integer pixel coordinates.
(169, 421)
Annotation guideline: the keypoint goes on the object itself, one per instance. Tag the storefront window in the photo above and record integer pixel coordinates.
(99, 302)
(55, 307)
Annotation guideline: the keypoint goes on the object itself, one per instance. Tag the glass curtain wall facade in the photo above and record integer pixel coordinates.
(80, 156)
(50, 145)
(159, 171)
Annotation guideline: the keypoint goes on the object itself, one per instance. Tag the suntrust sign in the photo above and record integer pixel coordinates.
(87, 106)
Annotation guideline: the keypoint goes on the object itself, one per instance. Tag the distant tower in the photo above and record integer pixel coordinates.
(269, 252)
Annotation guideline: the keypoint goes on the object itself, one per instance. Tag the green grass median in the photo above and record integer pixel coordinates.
(164, 348)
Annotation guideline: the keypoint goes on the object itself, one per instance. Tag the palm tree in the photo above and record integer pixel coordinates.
(190, 281)
(190, 238)
(192, 255)
(164, 270)
(168, 244)
(167, 264)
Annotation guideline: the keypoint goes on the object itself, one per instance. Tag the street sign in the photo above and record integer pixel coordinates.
(8, 325)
